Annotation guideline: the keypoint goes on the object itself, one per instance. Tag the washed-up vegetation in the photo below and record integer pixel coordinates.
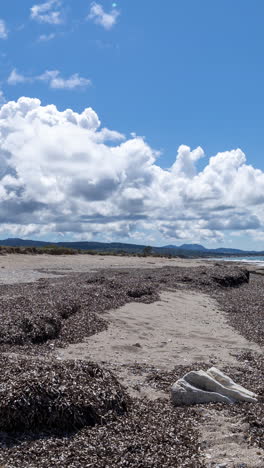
(88, 420)
(39, 318)
(74, 414)
(40, 395)
(245, 308)
(253, 415)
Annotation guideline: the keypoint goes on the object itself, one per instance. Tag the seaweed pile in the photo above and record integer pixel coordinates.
(253, 415)
(40, 395)
(75, 414)
(149, 435)
(245, 308)
(35, 319)
(68, 309)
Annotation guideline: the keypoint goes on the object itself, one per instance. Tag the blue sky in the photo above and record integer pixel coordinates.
(176, 73)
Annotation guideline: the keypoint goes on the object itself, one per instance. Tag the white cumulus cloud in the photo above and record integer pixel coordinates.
(99, 16)
(47, 12)
(62, 173)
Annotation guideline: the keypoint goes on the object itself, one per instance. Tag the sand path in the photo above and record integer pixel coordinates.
(181, 328)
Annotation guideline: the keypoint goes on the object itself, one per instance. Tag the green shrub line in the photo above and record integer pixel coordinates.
(55, 250)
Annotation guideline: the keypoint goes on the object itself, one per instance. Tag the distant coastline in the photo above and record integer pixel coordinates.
(120, 248)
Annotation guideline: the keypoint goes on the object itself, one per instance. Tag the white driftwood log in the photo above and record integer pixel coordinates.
(210, 386)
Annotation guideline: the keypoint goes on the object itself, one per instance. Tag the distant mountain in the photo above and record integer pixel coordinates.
(188, 250)
(13, 242)
(170, 247)
(201, 248)
(196, 247)
(224, 250)
(100, 246)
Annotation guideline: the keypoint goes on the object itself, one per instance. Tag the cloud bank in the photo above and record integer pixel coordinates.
(60, 172)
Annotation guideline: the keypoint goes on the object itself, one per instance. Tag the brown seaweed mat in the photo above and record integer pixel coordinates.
(74, 414)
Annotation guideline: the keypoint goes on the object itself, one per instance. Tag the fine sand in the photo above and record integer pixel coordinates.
(223, 440)
(180, 329)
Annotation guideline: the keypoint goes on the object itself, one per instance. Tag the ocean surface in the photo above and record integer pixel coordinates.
(257, 260)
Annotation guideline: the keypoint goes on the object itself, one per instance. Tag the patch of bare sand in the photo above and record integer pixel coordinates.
(224, 444)
(182, 328)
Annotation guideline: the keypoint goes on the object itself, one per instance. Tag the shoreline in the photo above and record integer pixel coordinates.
(24, 268)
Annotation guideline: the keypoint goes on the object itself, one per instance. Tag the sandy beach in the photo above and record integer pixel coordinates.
(150, 321)
(28, 268)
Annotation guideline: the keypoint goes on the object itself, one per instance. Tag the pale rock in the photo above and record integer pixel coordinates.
(210, 386)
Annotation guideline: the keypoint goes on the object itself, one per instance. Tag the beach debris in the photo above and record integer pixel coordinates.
(208, 386)
(40, 395)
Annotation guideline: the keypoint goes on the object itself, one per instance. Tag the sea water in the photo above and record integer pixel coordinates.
(258, 260)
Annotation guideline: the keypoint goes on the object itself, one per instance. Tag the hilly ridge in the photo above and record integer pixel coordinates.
(119, 247)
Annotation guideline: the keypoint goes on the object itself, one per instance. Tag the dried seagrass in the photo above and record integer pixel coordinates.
(149, 434)
(37, 395)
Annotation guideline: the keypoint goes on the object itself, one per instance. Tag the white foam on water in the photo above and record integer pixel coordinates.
(256, 260)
